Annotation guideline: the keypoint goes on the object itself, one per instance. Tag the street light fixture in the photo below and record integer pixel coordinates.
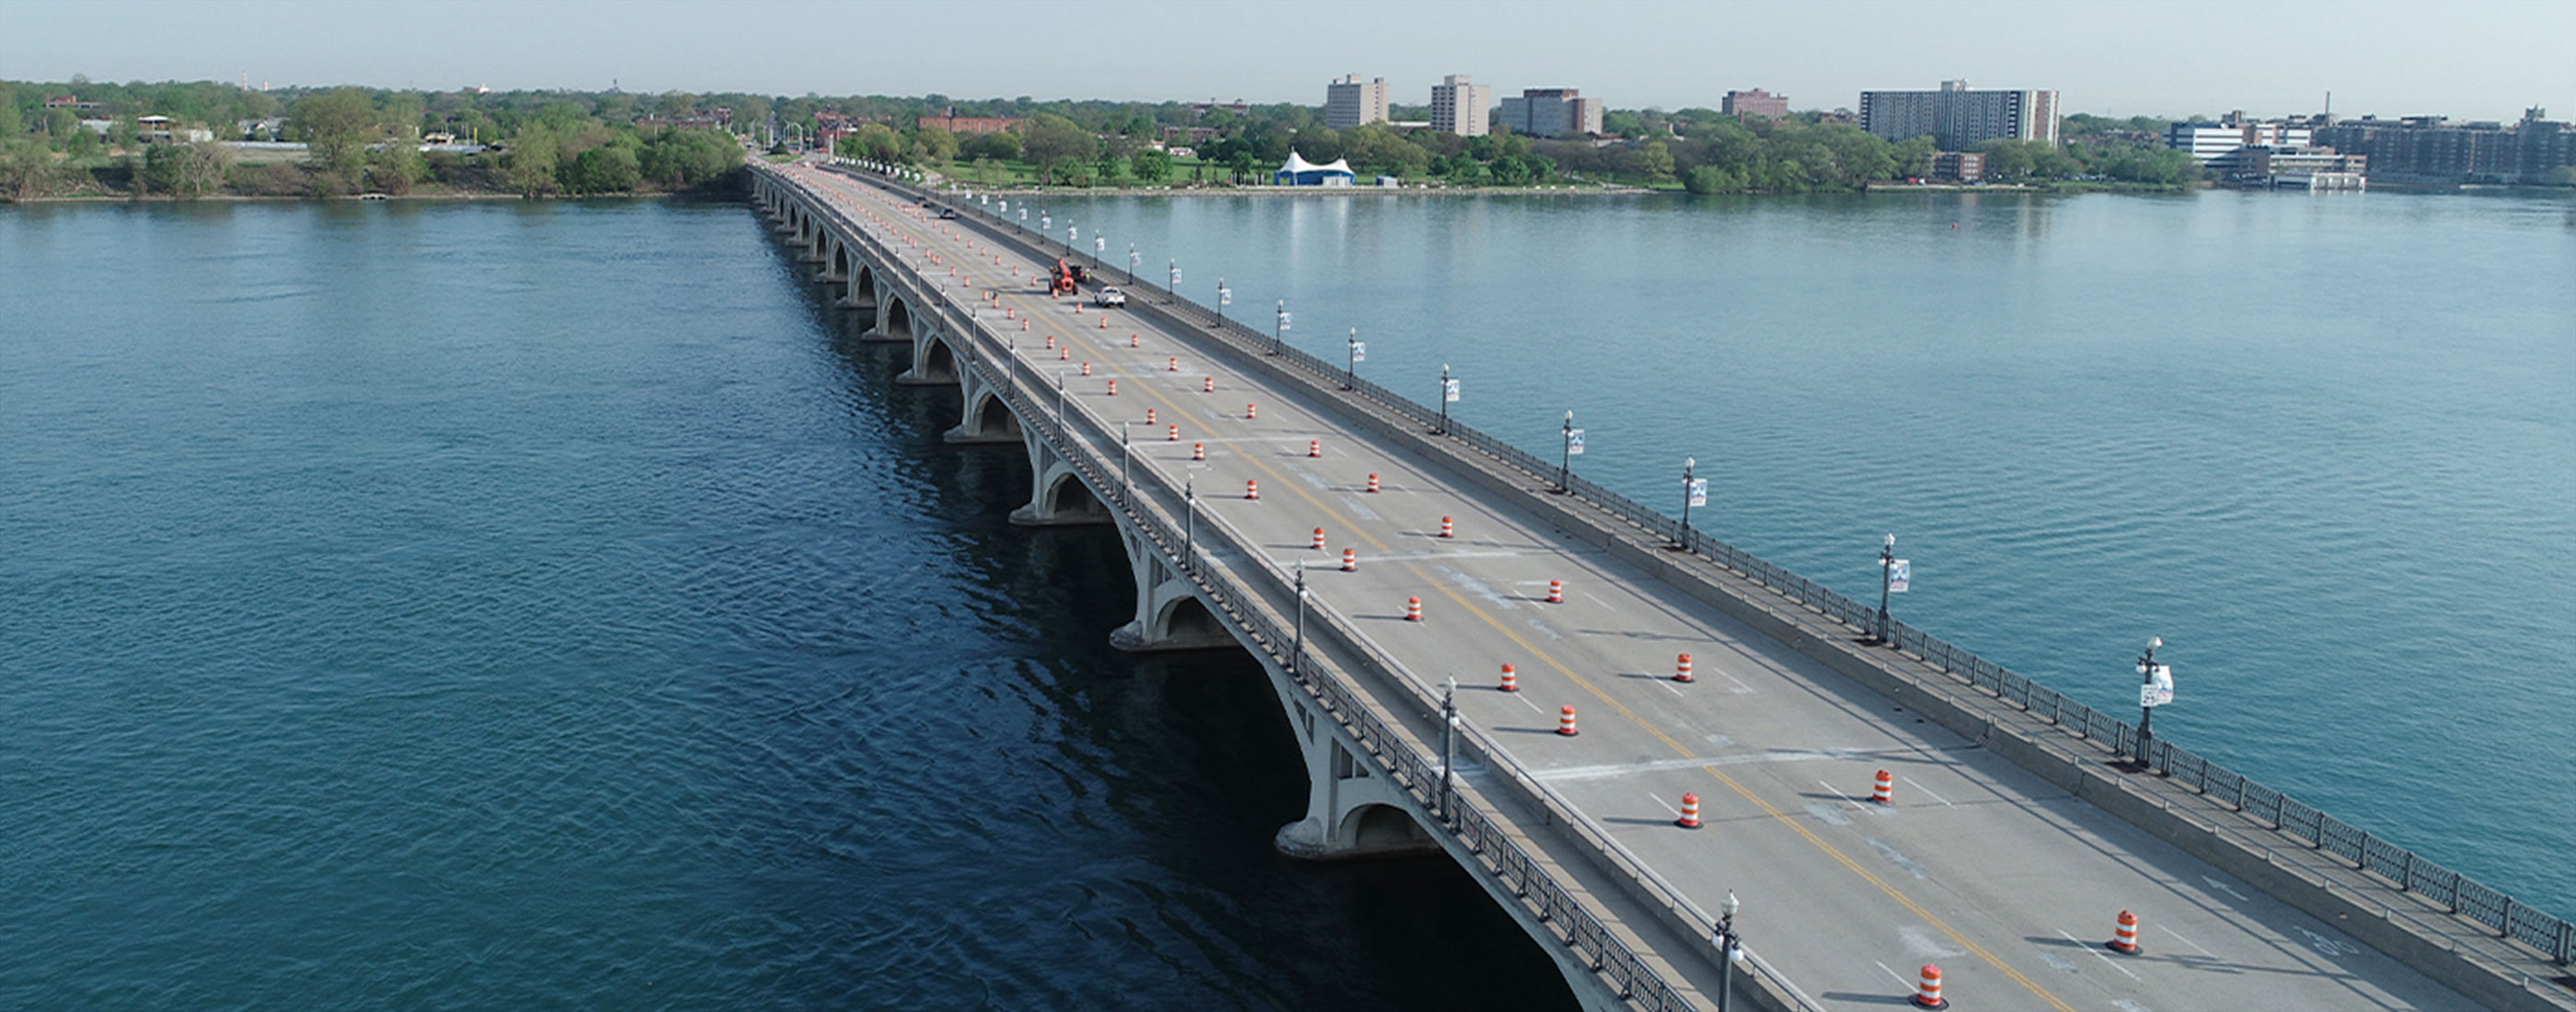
(1690, 485)
(1297, 652)
(1730, 948)
(2155, 688)
(1133, 259)
(1448, 744)
(1565, 461)
(1886, 582)
(1279, 330)
(1448, 392)
(1189, 521)
(1351, 370)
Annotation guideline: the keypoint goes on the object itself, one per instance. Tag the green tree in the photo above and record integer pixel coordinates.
(83, 144)
(934, 145)
(874, 141)
(999, 147)
(392, 167)
(186, 171)
(1150, 166)
(608, 168)
(26, 168)
(1052, 141)
(532, 159)
(1655, 160)
(335, 126)
(10, 123)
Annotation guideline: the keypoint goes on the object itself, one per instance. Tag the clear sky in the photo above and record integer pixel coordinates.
(2484, 60)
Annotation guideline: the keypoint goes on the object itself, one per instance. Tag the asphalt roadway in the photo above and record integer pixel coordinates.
(2005, 882)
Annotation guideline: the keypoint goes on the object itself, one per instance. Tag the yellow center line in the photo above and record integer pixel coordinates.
(1731, 783)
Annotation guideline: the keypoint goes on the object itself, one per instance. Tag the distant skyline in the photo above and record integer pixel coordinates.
(2469, 60)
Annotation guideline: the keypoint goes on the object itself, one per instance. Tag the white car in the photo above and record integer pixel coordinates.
(1110, 298)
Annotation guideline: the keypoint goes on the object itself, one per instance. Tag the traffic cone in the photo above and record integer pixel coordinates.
(1350, 560)
(1413, 609)
(1319, 539)
(1447, 529)
(1211, 386)
(1372, 483)
(1174, 365)
(1149, 416)
(1884, 791)
(1251, 489)
(1690, 812)
(1086, 368)
(1113, 388)
(1556, 592)
(2124, 936)
(1314, 448)
(1251, 411)
(1064, 354)
(1565, 721)
(1511, 680)
(1176, 434)
(1682, 669)
(1927, 993)
(1198, 451)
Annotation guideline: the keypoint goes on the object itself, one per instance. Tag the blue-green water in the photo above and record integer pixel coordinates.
(2325, 446)
(537, 606)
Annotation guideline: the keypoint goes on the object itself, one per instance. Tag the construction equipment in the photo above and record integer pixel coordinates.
(1066, 279)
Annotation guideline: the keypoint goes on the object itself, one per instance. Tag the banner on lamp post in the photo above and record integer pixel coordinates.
(1699, 492)
(1900, 575)
(1574, 443)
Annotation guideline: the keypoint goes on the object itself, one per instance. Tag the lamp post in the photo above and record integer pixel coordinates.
(1133, 259)
(1125, 489)
(1175, 288)
(1448, 743)
(1886, 581)
(1297, 652)
(1730, 947)
(1224, 298)
(1279, 329)
(1690, 471)
(1565, 461)
(1351, 370)
(1189, 520)
(1448, 392)
(2147, 699)
(1059, 405)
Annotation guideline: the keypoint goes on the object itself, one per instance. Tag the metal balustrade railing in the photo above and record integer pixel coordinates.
(2551, 936)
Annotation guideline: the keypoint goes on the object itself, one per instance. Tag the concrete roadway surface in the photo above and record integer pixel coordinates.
(2008, 884)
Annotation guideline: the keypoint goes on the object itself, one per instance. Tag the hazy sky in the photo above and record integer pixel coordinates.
(2460, 58)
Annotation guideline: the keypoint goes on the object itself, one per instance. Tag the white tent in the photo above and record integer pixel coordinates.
(1300, 172)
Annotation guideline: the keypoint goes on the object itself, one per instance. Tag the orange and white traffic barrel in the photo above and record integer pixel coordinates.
(1350, 560)
(1448, 528)
(1413, 609)
(1314, 448)
(1198, 451)
(1319, 539)
(1251, 488)
(1176, 434)
(1250, 411)
(1927, 991)
(1372, 486)
(1149, 416)
(1565, 721)
(1556, 592)
(1884, 791)
(2124, 935)
(1113, 388)
(1086, 368)
(1511, 680)
(1682, 669)
(1690, 812)
(1210, 387)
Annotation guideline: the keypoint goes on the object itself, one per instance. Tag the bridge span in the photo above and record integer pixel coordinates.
(2013, 836)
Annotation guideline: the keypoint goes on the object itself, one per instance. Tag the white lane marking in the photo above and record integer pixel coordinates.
(1668, 687)
(1741, 689)
(1534, 707)
(1417, 556)
(1927, 790)
(1588, 595)
(2223, 887)
(1659, 799)
(1900, 978)
(1719, 740)
(1847, 799)
(2194, 945)
(2097, 954)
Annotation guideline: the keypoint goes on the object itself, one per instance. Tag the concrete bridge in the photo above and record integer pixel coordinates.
(2016, 827)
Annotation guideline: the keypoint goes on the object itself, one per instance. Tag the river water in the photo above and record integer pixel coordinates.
(2323, 445)
(538, 606)
(544, 604)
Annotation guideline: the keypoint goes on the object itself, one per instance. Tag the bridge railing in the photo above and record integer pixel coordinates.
(2551, 936)
(1086, 444)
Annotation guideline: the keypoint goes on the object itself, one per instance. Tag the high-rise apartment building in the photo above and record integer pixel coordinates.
(1755, 103)
(1349, 102)
(1552, 112)
(1959, 117)
(1460, 107)
(2435, 149)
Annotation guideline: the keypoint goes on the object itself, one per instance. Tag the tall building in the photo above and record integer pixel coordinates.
(2206, 142)
(2434, 149)
(1460, 107)
(1348, 102)
(1552, 112)
(1755, 103)
(1959, 117)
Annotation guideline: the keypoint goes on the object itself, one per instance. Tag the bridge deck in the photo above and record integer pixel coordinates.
(2007, 882)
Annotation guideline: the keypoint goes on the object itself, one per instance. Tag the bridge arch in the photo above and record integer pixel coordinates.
(1378, 828)
(993, 418)
(1186, 618)
(897, 321)
(1068, 495)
